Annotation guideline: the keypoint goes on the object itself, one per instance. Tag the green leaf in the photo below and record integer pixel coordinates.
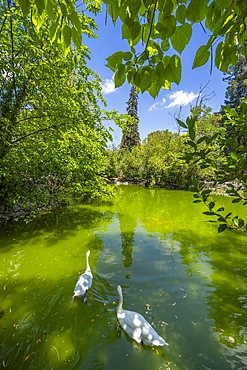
(236, 200)
(54, 28)
(241, 222)
(113, 11)
(197, 10)
(66, 35)
(76, 37)
(201, 57)
(173, 70)
(25, 6)
(225, 55)
(75, 21)
(154, 88)
(181, 13)
(181, 123)
(166, 26)
(40, 5)
(114, 60)
(191, 143)
(145, 80)
(135, 30)
(165, 45)
(126, 32)
(145, 32)
(222, 227)
(181, 37)
(63, 9)
(211, 205)
(222, 219)
(191, 124)
(52, 10)
(119, 77)
(203, 138)
(234, 156)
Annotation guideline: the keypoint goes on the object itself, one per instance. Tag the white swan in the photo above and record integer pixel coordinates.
(84, 282)
(136, 326)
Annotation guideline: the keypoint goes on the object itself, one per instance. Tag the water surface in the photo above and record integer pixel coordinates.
(175, 269)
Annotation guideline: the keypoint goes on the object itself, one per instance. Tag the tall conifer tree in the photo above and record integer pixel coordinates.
(236, 89)
(131, 137)
(237, 83)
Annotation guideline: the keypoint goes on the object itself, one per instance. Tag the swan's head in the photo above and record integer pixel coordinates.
(119, 289)
(88, 253)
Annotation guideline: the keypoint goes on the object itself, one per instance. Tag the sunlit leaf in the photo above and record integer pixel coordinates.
(66, 35)
(119, 77)
(181, 13)
(201, 57)
(196, 10)
(174, 69)
(181, 37)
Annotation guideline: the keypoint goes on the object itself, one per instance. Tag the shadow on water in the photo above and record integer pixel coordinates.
(58, 224)
(184, 278)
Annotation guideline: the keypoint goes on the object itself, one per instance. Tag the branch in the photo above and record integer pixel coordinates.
(44, 116)
(151, 28)
(36, 132)
(3, 23)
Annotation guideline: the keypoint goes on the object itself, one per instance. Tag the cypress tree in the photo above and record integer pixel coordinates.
(131, 137)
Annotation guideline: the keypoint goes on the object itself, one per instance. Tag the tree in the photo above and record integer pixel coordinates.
(237, 83)
(229, 171)
(131, 136)
(236, 91)
(151, 28)
(52, 140)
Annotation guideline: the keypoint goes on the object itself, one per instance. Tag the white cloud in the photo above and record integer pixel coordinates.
(181, 98)
(108, 86)
(157, 106)
(177, 98)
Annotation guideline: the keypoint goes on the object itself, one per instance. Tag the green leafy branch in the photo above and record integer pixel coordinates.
(225, 221)
(231, 170)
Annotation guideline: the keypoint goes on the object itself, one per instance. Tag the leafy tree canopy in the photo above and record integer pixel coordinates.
(52, 139)
(154, 29)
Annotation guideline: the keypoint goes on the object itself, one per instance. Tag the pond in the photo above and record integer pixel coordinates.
(187, 280)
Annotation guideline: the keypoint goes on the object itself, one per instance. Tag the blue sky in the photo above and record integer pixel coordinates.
(154, 114)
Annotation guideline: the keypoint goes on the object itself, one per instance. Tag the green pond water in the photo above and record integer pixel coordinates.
(187, 280)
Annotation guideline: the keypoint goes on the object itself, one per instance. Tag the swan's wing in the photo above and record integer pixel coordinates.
(84, 282)
(137, 327)
(132, 323)
(151, 337)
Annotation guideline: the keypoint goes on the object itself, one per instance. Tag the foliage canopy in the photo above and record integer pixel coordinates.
(52, 139)
(154, 29)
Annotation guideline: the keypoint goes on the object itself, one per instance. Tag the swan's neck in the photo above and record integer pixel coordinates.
(87, 264)
(120, 303)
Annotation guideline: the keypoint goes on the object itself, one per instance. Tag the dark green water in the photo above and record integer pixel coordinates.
(175, 269)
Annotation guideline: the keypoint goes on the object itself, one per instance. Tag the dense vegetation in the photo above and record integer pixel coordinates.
(52, 137)
(52, 140)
